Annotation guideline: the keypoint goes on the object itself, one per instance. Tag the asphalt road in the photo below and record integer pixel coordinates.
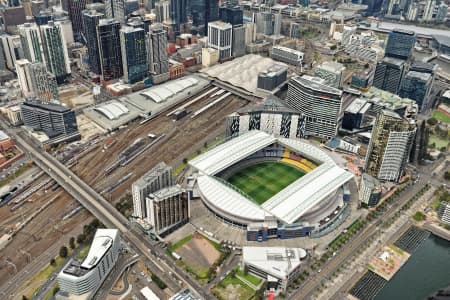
(309, 286)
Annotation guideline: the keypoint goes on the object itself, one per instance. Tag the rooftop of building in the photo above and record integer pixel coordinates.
(420, 31)
(356, 106)
(286, 49)
(129, 29)
(270, 105)
(316, 84)
(370, 181)
(331, 66)
(386, 99)
(403, 31)
(167, 192)
(47, 106)
(102, 242)
(151, 174)
(150, 101)
(241, 72)
(220, 24)
(275, 261)
(394, 61)
(419, 75)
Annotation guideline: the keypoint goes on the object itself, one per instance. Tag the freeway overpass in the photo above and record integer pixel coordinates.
(106, 213)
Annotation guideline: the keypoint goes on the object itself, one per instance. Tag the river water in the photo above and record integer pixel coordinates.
(426, 271)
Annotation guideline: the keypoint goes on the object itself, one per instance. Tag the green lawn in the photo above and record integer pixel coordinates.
(262, 181)
(239, 289)
(438, 141)
(252, 279)
(441, 116)
(180, 243)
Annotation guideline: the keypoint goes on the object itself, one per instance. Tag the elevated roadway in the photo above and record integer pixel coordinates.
(107, 214)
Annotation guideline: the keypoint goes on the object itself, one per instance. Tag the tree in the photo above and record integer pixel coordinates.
(24, 297)
(53, 262)
(447, 175)
(55, 290)
(333, 47)
(72, 243)
(432, 121)
(81, 238)
(63, 251)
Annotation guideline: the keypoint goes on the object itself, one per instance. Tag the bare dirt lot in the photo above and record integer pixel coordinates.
(199, 254)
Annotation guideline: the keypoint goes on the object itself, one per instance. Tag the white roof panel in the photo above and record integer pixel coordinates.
(101, 243)
(229, 201)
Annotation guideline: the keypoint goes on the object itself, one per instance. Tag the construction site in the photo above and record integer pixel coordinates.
(43, 217)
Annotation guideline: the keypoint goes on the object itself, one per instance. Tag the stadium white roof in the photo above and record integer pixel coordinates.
(229, 201)
(297, 198)
(102, 242)
(289, 204)
(112, 110)
(278, 262)
(163, 92)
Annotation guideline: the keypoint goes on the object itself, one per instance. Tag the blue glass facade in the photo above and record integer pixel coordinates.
(400, 44)
(134, 55)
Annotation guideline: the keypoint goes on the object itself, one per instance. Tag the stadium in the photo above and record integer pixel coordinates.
(274, 187)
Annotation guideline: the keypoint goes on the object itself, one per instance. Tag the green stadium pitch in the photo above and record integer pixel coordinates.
(263, 180)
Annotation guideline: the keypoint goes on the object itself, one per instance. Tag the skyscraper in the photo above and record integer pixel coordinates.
(220, 37)
(179, 10)
(55, 51)
(417, 86)
(157, 178)
(390, 146)
(321, 105)
(74, 8)
(331, 72)
(157, 59)
(91, 18)
(232, 14)
(115, 9)
(108, 35)
(31, 42)
(400, 44)
(238, 47)
(389, 74)
(204, 11)
(162, 11)
(36, 82)
(134, 55)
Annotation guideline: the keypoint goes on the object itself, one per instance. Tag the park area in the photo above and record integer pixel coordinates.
(264, 180)
(440, 116)
(232, 287)
(198, 255)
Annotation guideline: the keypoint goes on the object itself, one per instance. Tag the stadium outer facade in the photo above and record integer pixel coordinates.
(313, 205)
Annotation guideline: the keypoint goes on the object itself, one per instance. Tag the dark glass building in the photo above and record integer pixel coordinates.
(90, 20)
(179, 11)
(417, 86)
(232, 14)
(74, 8)
(400, 44)
(134, 54)
(204, 11)
(108, 35)
(52, 119)
(389, 74)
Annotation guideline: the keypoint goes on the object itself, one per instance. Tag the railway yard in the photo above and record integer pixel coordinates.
(49, 213)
